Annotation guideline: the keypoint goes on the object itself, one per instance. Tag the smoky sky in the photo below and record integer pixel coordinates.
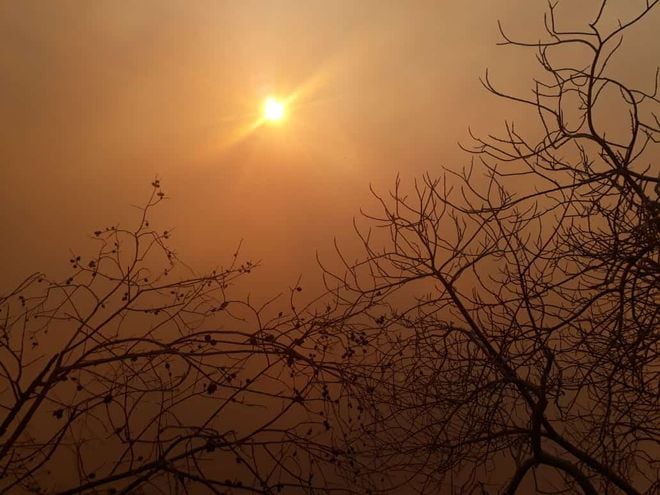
(98, 98)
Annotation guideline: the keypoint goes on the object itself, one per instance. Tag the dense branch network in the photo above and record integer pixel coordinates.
(510, 310)
(499, 334)
(135, 375)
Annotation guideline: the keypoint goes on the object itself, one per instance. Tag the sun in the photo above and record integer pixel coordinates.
(273, 110)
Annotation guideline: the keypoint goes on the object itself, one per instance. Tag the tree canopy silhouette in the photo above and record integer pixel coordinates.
(136, 375)
(510, 309)
(498, 333)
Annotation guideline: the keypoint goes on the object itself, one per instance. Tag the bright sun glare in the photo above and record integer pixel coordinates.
(273, 110)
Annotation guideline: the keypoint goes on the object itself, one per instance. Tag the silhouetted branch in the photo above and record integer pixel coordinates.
(511, 319)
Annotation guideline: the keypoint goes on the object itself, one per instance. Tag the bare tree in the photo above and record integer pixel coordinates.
(499, 333)
(503, 320)
(135, 375)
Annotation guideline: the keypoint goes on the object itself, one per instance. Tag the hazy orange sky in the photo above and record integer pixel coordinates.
(99, 97)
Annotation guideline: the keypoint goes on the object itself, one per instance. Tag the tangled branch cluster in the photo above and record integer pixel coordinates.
(529, 354)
